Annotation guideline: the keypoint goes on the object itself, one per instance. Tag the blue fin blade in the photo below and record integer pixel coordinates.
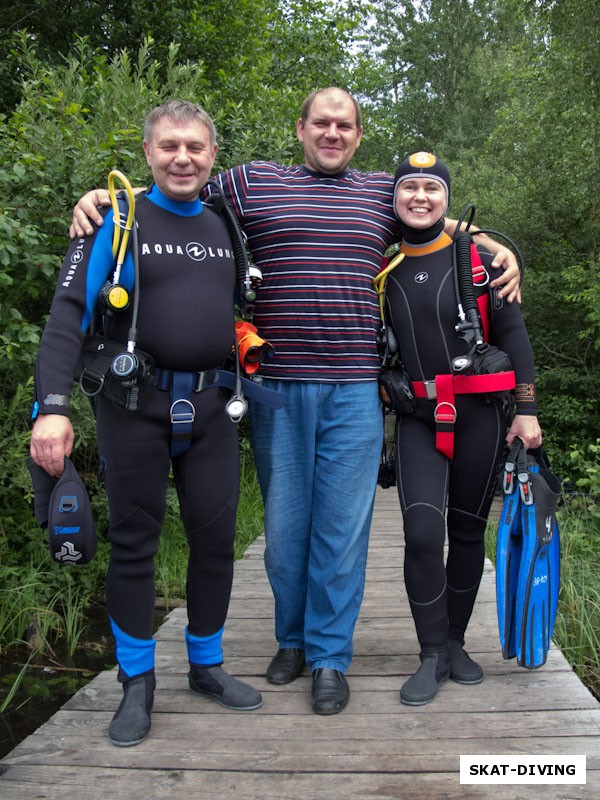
(508, 558)
(539, 573)
(554, 556)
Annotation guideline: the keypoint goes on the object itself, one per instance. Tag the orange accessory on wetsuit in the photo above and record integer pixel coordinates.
(253, 349)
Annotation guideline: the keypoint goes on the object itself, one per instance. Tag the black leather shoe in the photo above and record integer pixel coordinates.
(330, 691)
(286, 666)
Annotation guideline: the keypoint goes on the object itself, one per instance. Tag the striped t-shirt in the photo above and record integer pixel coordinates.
(319, 241)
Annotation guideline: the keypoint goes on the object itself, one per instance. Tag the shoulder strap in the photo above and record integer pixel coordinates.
(481, 281)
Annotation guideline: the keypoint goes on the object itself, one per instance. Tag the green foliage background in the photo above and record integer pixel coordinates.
(506, 91)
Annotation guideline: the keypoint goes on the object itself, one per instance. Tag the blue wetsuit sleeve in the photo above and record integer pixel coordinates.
(84, 270)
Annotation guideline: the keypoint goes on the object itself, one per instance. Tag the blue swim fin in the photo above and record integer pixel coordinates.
(539, 573)
(509, 545)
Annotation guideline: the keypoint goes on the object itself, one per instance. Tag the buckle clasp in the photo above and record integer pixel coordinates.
(185, 416)
(430, 390)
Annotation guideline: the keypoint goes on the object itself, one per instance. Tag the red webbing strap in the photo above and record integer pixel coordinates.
(474, 384)
(471, 384)
(446, 387)
(480, 279)
(445, 415)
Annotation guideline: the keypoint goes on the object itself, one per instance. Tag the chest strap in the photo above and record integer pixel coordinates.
(445, 387)
(183, 385)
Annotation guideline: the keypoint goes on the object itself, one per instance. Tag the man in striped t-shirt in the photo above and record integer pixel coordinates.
(318, 232)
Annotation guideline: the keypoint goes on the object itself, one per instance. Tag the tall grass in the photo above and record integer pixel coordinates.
(171, 561)
(172, 557)
(29, 616)
(10, 695)
(577, 631)
(34, 618)
(73, 603)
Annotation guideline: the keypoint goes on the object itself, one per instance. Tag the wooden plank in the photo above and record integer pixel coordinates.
(285, 754)
(132, 784)
(209, 718)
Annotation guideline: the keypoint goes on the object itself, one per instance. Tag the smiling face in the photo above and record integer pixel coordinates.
(330, 133)
(420, 202)
(181, 157)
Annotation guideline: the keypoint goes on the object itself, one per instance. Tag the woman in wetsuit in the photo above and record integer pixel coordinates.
(448, 450)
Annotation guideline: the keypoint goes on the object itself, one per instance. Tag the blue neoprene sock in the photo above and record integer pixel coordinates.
(204, 650)
(134, 656)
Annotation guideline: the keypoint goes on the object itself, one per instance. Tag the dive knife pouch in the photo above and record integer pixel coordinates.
(395, 389)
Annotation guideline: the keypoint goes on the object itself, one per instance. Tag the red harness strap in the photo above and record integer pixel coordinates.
(480, 282)
(444, 389)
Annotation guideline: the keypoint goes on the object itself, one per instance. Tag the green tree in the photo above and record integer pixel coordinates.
(55, 25)
(241, 41)
(539, 177)
(429, 71)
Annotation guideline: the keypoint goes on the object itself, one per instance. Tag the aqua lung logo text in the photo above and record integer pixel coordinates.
(421, 277)
(194, 250)
(76, 259)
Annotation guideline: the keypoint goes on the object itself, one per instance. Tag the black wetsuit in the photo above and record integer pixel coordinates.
(434, 490)
(186, 322)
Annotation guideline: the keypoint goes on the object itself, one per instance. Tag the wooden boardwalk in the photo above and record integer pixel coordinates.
(376, 749)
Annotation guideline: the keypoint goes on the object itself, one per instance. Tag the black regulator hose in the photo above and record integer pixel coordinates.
(513, 247)
(482, 357)
(218, 203)
(469, 210)
(468, 311)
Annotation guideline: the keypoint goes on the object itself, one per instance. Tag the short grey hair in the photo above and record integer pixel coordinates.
(182, 110)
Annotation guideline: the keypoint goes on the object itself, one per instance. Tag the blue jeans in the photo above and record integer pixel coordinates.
(317, 460)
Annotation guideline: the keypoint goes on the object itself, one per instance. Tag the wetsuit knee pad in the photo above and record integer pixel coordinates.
(424, 529)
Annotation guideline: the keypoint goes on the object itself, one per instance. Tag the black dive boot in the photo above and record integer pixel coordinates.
(424, 684)
(462, 667)
(131, 723)
(213, 682)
